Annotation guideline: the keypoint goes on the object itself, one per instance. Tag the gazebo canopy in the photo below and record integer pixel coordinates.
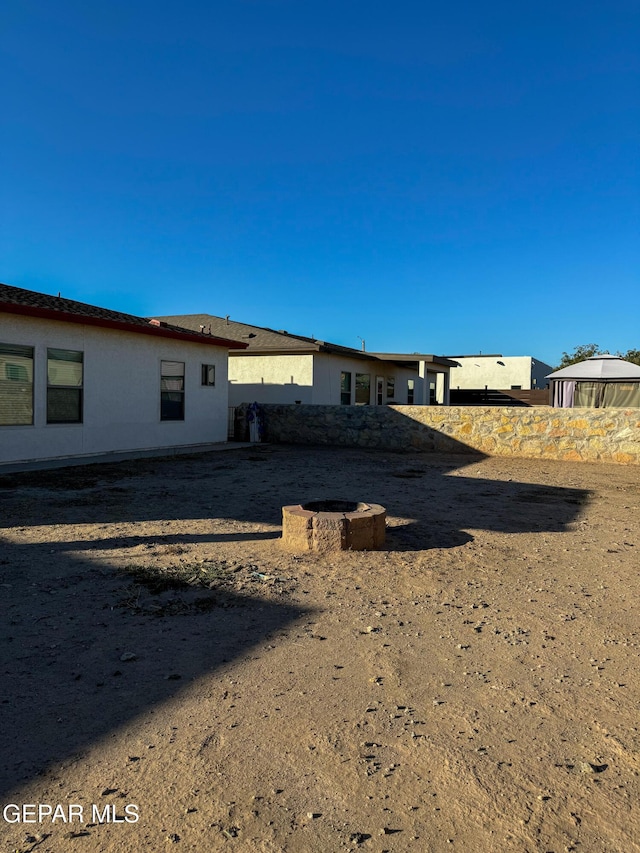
(603, 368)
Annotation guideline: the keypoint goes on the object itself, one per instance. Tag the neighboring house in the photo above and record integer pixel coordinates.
(602, 381)
(278, 367)
(79, 380)
(499, 372)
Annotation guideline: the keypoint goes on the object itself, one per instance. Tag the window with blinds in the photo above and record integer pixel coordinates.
(16, 385)
(64, 386)
(172, 391)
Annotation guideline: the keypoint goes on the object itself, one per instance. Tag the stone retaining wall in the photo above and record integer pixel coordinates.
(582, 435)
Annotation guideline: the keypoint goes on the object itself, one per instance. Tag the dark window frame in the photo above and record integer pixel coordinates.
(360, 389)
(391, 387)
(345, 387)
(172, 400)
(208, 375)
(61, 395)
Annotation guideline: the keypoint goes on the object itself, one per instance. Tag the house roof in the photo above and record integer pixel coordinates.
(262, 340)
(478, 355)
(16, 300)
(257, 338)
(415, 356)
(599, 367)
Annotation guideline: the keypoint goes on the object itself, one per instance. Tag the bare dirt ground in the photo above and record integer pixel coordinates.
(474, 686)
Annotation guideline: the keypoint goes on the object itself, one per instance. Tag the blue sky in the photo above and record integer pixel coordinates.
(447, 178)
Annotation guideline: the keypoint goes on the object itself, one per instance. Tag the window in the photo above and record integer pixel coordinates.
(391, 388)
(208, 375)
(16, 385)
(345, 389)
(363, 389)
(172, 391)
(411, 387)
(64, 386)
(516, 387)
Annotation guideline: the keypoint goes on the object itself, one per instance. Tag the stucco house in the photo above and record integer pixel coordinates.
(77, 380)
(279, 367)
(500, 372)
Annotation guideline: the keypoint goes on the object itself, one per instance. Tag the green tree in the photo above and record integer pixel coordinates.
(630, 355)
(589, 350)
(579, 354)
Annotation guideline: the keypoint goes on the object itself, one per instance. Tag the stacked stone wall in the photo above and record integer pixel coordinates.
(582, 435)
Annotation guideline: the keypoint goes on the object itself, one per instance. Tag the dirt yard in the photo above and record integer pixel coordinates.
(170, 676)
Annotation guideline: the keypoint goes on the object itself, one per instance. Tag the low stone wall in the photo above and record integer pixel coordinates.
(582, 435)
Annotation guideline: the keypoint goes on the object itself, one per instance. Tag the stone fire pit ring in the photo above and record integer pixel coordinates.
(333, 525)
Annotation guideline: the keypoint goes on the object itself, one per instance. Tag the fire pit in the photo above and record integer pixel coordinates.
(330, 525)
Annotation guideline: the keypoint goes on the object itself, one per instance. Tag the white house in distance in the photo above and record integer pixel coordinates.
(279, 367)
(77, 380)
(500, 372)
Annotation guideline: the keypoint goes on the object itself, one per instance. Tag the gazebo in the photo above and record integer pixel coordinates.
(602, 381)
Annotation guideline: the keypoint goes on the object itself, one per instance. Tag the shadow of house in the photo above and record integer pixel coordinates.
(495, 397)
(65, 630)
(367, 427)
(72, 674)
(284, 392)
(442, 516)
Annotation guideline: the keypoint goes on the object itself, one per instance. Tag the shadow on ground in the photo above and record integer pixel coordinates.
(440, 515)
(251, 487)
(79, 660)
(87, 682)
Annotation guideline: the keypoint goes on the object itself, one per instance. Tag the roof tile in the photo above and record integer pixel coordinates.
(42, 304)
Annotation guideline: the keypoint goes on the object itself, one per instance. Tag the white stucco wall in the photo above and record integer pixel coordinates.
(121, 392)
(270, 379)
(499, 372)
(326, 378)
(437, 379)
(313, 378)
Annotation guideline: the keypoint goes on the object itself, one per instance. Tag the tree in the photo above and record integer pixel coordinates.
(579, 354)
(589, 350)
(631, 355)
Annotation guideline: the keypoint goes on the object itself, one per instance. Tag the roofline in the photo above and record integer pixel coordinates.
(486, 355)
(150, 329)
(575, 378)
(337, 349)
(276, 351)
(445, 361)
(279, 332)
(326, 349)
(304, 345)
(331, 349)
